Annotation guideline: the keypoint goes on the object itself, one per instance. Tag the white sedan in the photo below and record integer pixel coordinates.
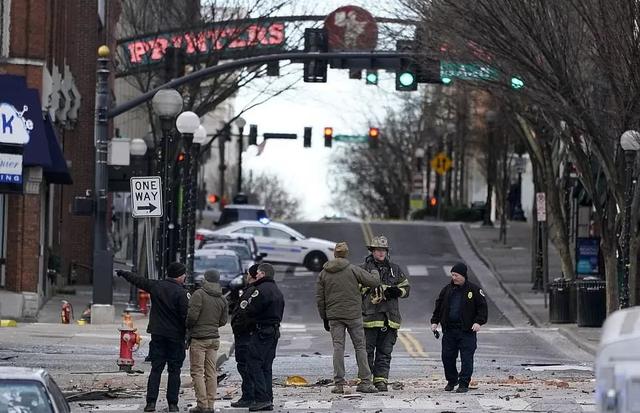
(283, 244)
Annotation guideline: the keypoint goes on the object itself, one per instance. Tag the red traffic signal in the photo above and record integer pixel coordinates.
(212, 198)
(328, 136)
(181, 156)
(374, 132)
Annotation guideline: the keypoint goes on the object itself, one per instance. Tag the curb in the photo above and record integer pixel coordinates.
(569, 335)
(532, 318)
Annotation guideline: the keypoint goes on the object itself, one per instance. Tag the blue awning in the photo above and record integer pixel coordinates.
(58, 172)
(43, 148)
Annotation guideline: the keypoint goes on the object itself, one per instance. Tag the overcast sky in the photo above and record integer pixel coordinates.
(349, 106)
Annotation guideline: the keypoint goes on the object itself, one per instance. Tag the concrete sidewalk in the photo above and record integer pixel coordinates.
(511, 264)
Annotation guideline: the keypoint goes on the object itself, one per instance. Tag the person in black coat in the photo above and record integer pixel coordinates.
(263, 309)
(167, 326)
(461, 308)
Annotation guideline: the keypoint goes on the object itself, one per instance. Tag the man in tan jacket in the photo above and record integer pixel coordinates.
(208, 310)
(340, 307)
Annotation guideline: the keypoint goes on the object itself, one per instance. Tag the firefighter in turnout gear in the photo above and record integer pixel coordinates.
(381, 311)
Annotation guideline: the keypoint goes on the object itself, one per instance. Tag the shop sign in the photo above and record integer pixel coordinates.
(14, 126)
(10, 168)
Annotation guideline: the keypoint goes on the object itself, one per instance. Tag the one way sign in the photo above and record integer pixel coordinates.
(146, 195)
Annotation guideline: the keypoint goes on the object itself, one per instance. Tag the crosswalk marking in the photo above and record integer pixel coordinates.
(418, 270)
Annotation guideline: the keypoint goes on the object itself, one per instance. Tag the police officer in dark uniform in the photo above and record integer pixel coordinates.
(461, 308)
(242, 327)
(264, 308)
(167, 326)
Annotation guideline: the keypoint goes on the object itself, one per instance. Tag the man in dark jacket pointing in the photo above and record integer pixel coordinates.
(167, 326)
(461, 308)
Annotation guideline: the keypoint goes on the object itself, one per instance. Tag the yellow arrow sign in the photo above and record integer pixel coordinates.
(441, 163)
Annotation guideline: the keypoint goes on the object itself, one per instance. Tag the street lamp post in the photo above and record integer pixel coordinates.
(198, 139)
(167, 103)
(630, 143)
(490, 118)
(240, 122)
(187, 124)
(137, 149)
(102, 256)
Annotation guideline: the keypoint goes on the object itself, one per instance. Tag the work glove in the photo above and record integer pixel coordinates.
(392, 292)
(377, 295)
(122, 273)
(326, 325)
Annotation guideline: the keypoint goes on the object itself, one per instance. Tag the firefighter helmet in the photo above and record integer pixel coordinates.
(379, 242)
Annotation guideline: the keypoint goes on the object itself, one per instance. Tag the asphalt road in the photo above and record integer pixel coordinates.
(517, 367)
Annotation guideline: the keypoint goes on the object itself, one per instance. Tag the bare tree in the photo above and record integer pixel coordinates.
(578, 60)
(269, 190)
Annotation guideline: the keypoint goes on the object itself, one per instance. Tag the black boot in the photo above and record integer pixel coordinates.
(173, 407)
(450, 386)
(150, 407)
(242, 403)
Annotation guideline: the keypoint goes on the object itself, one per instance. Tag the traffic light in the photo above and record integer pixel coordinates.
(328, 137)
(355, 73)
(407, 77)
(307, 137)
(374, 134)
(212, 198)
(372, 77)
(181, 157)
(315, 40)
(253, 134)
(516, 82)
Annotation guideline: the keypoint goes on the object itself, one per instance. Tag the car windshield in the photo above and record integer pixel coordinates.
(241, 250)
(296, 233)
(223, 263)
(23, 396)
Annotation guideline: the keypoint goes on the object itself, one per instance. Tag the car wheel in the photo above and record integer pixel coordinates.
(315, 260)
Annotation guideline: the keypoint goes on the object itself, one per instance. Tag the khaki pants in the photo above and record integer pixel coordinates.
(356, 332)
(202, 354)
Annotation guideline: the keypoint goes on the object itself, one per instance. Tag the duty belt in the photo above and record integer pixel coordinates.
(261, 326)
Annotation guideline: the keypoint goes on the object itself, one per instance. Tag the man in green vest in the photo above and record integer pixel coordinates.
(381, 310)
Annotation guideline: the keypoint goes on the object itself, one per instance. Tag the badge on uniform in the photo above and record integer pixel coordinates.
(482, 293)
(188, 296)
(244, 304)
(255, 294)
(470, 295)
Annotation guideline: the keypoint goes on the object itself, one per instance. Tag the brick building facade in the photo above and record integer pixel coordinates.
(52, 46)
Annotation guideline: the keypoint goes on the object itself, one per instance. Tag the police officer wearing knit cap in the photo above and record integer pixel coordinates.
(461, 308)
(242, 326)
(264, 309)
(167, 326)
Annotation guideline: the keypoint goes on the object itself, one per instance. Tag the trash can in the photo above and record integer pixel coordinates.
(592, 302)
(562, 301)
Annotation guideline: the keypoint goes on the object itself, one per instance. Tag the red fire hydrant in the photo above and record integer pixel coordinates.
(143, 301)
(66, 312)
(129, 343)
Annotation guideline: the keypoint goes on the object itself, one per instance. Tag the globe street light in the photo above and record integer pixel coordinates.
(187, 124)
(240, 123)
(167, 103)
(630, 143)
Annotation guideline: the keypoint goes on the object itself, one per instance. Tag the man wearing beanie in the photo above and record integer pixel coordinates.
(208, 310)
(167, 326)
(461, 308)
(263, 309)
(340, 307)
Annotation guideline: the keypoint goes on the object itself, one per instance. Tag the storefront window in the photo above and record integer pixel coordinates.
(3, 238)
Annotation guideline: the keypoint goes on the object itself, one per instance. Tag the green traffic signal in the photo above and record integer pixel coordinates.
(517, 83)
(407, 79)
(446, 80)
(372, 77)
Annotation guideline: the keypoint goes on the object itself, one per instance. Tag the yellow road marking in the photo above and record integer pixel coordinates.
(412, 345)
(366, 232)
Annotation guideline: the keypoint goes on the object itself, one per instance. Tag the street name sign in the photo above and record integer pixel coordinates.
(146, 197)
